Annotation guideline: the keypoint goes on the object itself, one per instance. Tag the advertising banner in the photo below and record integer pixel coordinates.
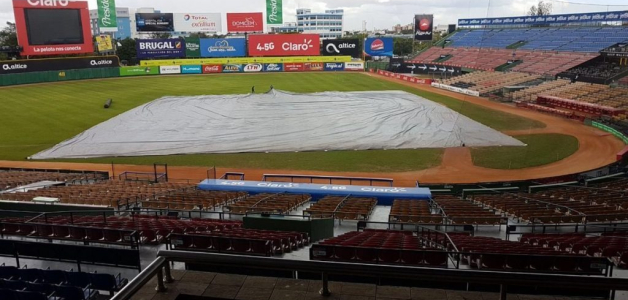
(354, 66)
(245, 22)
(104, 43)
(231, 68)
(273, 67)
(316, 66)
(250, 68)
(154, 22)
(342, 47)
(37, 37)
(293, 67)
(41, 65)
(378, 47)
(107, 19)
(421, 68)
(274, 12)
(210, 69)
(197, 22)
(160, 48)
(223, 47)
(247, 60)
(284, 44)
(334, 66)
(170, 70)
(197, 69)
(192, 47)
(610, 16)
(138, 71)
(423, 27)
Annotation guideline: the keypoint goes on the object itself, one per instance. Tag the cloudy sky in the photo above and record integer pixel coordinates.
(378, 14)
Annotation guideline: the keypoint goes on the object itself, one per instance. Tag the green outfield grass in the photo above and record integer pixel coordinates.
(36, 117)
(542, 149)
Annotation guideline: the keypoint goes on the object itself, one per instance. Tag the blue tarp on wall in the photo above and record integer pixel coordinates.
(384, 195)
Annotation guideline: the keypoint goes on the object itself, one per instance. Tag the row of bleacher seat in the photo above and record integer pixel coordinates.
(489, 82)
(12, 179)
(380, 247)
(413, 211)
(342, 208)
(461, 212)
(192, 199)
(268, 203)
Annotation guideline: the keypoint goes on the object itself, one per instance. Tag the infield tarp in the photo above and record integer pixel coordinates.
(279, 122)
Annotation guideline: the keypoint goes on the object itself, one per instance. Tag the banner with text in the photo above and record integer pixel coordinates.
(107, 19)
(42, 65)
(284, 45)
(423, 27)
(342, 47)
(160, 48)
(378, 47)
(139, 71)
(192, 47)
(154, 22)
(197, 22)
(246, 60)
(274, 12)
(245, 22)
(223, 47)
(610, 16)
(104, 43)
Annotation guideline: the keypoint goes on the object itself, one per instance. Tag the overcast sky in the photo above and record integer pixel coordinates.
(380, 14)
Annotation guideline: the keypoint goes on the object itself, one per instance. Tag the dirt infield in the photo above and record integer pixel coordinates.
(597, 149)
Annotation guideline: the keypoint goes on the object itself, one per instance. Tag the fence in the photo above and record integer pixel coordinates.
(55, 76)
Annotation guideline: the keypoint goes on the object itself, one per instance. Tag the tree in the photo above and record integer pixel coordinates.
(200, 35)
(402, 46)
(126, 49)
(8, 37)
(541, 9)
(160, 35)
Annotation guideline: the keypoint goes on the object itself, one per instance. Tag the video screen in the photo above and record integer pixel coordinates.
(54, 26)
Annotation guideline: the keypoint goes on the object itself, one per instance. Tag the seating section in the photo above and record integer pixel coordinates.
(413, 211)
(193, 199)
(268, 203)
(462, 212)
(496, 254)
(11, 179)
(240, 241)
(598, 70)
(26, 283)
(113, 229)
(379, 247)
(531, 94)
(104, 193)
(488, 82)
(613, 245)
(342, 208)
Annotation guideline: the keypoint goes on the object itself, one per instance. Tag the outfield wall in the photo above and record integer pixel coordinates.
(54, 76)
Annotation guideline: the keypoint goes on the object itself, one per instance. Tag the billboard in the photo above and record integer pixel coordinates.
(170, 70)
(250, 68)
(334, 66)
(273, 67)
(53, 27)
(138, 71)
(192, 47)
(313, 66)
(197, 22)
(154, 22)
(223, 47)
(284, 45)
(195, 69)
(423, 68)
(607, 16)
(245, 22)
(107, 19)
(231, 68)
(379, 46)
(354, 66)
(41, 65)
(245, 60)
(274, 12)
(342, 47)
(209, 69)
(160, 48)
(423, 27)
(104, 43)
(293, 67)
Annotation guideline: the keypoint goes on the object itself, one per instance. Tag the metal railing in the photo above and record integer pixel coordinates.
(161, 268)
(330, 179)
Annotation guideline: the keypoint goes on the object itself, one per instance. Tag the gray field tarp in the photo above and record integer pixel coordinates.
(279, 122)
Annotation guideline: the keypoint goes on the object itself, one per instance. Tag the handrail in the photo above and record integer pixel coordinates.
(503, 279)
(330, 178)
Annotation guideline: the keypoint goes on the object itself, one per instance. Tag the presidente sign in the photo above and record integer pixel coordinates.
(107, 19)
(341, 47)
(245, 22)
(274, 12)
(42, 65)
(160, 48)
(25, 28)
(610, 16)
(284, 45)
(223, 47)
(191, 22)
(379, 46)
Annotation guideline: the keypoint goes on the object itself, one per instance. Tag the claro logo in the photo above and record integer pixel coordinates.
(51, 3)
(10, 67)
(102, 62)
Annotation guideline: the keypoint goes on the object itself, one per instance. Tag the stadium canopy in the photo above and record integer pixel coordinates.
(608, 18)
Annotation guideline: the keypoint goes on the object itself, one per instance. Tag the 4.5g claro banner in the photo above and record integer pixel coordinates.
(41, 65)
(284, 45)
(69, 34)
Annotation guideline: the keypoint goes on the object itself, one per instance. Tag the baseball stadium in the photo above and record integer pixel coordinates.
(237, 156)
